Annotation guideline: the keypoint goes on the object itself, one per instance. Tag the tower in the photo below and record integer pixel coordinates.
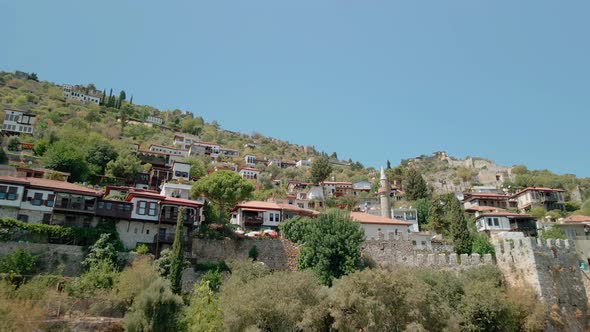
(384, 191)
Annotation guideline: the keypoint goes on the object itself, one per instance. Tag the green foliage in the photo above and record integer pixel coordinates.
(204, 313)
(281, 301)
(481, 244)
(572, 206)
(295, 229)
(330, 244)
(209, 266)
(20, 262)
(320, 169)
(13, 143)
(67, 156)
(213, 279)
(155, 309)
(552, 232)
(414, 185)
(253, 253)
(177, 255)
(99, 276)
(101, 251)
(3, 156)
(446, 217)
(422, 205)
(538, 212)
(99, 155)
(224, 188)
(162, 264)
(11, 229)
(192, 126)
(141, 249)
(126, 166)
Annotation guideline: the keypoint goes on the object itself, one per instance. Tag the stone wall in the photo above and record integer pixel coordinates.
(398, 252)
(276, 254)
(54, 258)
(551, 268)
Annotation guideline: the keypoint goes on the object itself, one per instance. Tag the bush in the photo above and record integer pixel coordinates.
(209, 266)
(154, 309)
(204, 312)
(101, 251)
(253, 253)
(20, 262)
(213, 279)
(99, 277)
(481, 244)
(141, 249)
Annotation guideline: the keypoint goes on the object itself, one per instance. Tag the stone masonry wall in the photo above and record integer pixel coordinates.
(55, 258)
(551, 269)
(276, 254)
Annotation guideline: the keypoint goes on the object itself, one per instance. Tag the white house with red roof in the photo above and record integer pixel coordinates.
(495, 222)
(254, 215)
(337, 188)
(547, 198)
(487, 199)
(374, 225)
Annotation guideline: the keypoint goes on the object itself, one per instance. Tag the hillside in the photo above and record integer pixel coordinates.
(110, 129)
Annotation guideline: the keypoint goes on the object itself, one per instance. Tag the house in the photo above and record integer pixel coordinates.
(495, 222)
(547, 198)
(501, 201)
(476, 209)
(250, 160)
(185, 141)
(154, 120)
(71, 93)
(373, 225)
(169, 151)
(249, 173)
(36, 200)
(26, 172)
(177, 190)
(230, 153)
(210, 150)
(291, 200)
(337, 189)
(361, 187)
(407, 214)
(181, 171)
(18, 122)
(256, 215)
(303, 163)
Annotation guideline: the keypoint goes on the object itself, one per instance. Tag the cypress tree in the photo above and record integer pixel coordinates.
(415, 186)
(131, 100)
(122, 97)
(104, 96)
(459, 231)
(177, 255)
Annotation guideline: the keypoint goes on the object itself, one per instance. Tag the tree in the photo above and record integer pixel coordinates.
(101, 250)
(155, 309)
(18, 262)
(320, 169)
(3, 156)
(388, 164)
(204, 312)
(331, 244)
(481, 244)
(191, 126)
(422, 205)
(33, 77)
(446, 217)
(67, 156)
(13, 143)
(553, 232)
(122, 97)
(99, 155)
(334, 155)
(415, 186)
(223, 188)
(125, 166)
(177, 254)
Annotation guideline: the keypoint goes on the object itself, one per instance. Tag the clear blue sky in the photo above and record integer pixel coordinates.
(373, 80)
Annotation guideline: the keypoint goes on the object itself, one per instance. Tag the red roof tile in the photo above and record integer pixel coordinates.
(504, 214)
(577, 218)
(365, 218)
(537, 189)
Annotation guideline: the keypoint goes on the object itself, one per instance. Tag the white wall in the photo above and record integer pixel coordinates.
(134, 214)
(132, 232)
(31, 193)
(373, 230)
(19, 196)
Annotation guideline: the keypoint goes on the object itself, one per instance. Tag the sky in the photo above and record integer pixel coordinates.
(372, 80)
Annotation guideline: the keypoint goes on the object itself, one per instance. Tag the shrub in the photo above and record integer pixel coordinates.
(204, 312)
(101, 276)
(253, 253)
(19, 262)
(101, 251)
(154, 309)
(213, 279)
(141, 249)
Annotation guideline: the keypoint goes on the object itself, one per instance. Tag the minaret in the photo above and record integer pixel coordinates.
(384, 191)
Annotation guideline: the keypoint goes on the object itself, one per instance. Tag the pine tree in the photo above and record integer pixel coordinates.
(177, 255)
(415, 186)
(459, 231)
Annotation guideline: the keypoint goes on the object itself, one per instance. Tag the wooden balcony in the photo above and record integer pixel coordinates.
(253, 221)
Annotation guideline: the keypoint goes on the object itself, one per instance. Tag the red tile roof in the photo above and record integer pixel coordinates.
(249, 169)
(181, 202)
(504, 214)
(51, 185)
(260, 205)
(337, 182)
(577, 218)
(483, 208)
(365, 218)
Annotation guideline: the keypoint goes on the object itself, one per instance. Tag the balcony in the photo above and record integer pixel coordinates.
(253, 221)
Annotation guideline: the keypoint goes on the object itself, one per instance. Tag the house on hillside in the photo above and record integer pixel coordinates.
(184, 141)
(495, 222)
(361, 187)
(257, 215)
(249, 173)
(373, 225)
(501, 201)
(547, 198)
(155, 120)
(17, 122)
(337, 188)
(71, 93)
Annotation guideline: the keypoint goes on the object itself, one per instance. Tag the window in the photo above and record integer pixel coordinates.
(489, 221)
(37, 199)
(423, 243)
(141, 208)
(3, 190)
(23, 217)
(109, 206)
(271, 217)
(50, 200)
(152, 209)
(101, 205)
(277, 217)
(46, 218)
(496, 222)
(12, 194)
